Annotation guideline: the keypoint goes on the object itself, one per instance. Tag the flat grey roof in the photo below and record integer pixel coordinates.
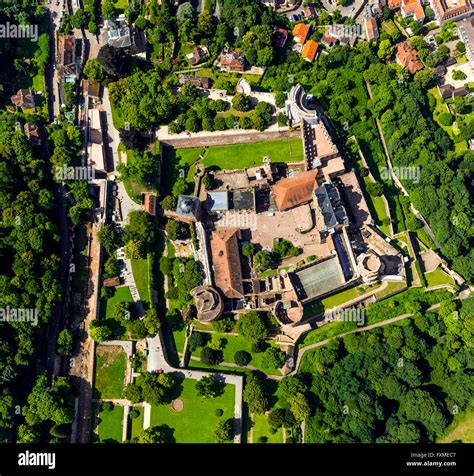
(217, 201)
(318, 279)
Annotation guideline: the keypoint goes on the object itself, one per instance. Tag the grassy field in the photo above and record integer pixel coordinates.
(109, 372)
(137, 423)
(196, 422)
(179, 338)
(140, 270)
(261, 428)
(110, 424)
(247, 155)
(122, 293)
(437, 277)
(461, 429)
(235, 343)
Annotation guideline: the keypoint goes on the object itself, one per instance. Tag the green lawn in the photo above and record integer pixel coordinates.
(235, 343)
(247, 155)
(110, 424)
(122, 293)
(110, 366)
(140, 270)
(137, 423)
(196, 422)
(437, 277)
(261, 428)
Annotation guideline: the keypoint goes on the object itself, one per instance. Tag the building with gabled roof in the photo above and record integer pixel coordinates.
(300, 34)
(24, 98)
(67, 65)
(451, 10)
(280, 37)
(309, 51)
(330, 212)
(226, 262)
(231, 61)
(293, 191)
(407, 57)
(371, 29)
(32, 132)
(413, 9)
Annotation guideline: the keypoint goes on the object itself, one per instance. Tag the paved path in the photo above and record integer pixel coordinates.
(231, 137)
(157, 360)
(146, 415)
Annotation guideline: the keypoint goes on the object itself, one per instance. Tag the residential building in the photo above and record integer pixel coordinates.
(413, 9)
(226, 262)
(67, 66)
(198, 81)
(407, 57)
(447, 91)
(24, 98)
(371, 29)
(447, 10)
(328, 40)
(116, 33)
(293, 191)
(197, 55)
(280, 37)
(394, 4)
(231, 61)
(309, 51)
(466, 33)
(150, 203)
(32, 132)
(300, 34)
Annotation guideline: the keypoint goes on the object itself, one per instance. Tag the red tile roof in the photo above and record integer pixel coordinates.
(300, 33)
(407, 56)
(294, 191)
(309, 50)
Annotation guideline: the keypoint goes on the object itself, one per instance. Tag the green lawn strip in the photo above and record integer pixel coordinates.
(137, 423)
(110, 366)
(390, 288)
(197, 421)
(122, 293)
(248, 155)
(179, 339)
(140, 273)
(110, 424)
(437, 277)
(425, 238)
(261, 428)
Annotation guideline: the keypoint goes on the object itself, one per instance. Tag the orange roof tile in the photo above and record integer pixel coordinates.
(293, 191)
(300, 32)
(309, 50)
(226, 262)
